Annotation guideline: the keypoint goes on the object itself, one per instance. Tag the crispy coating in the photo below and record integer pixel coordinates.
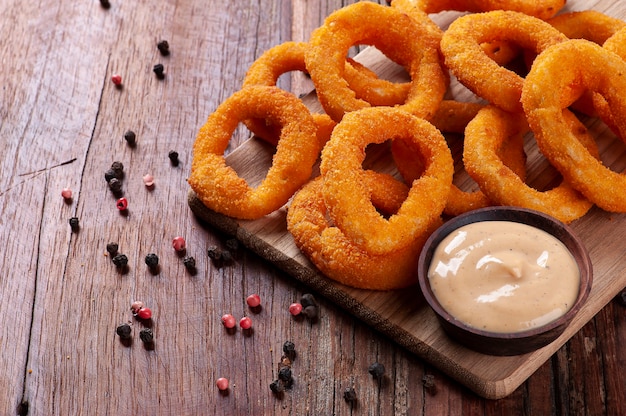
(558, 77)
(395, 34)
(542, 9)
(218, 185)
(484, 136)
(346, 196)
(587, 24)
(466, 59)
(336, 256)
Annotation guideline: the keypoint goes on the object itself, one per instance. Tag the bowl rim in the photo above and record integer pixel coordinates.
(516, 214)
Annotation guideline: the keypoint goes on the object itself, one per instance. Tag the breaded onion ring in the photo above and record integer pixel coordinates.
(346, 196)
(542, 9)
(220, 188)
(395, 34)
(617, 43)
(464, 56)
(335, 255)
(483, 138)
(558, 77)
(587, 24)
(453, 117)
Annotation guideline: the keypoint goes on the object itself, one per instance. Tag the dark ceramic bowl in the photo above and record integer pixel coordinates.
(494, 343)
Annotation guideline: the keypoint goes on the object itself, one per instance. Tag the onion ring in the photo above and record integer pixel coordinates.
(336, 256)
(484, 136)
(347, 198)
(453, 117)
(587, 24)
(220, 188)
(396, 35)
(461, 47)
(558, 77)
(542, 9)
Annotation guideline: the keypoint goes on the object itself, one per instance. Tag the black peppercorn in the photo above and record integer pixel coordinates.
(109, 175)
(130, 137)
(164, 47)
(158, 70)
(622, 298)
(74, 225)
(289, 348)
(152, 261)
(120, 260)
(105, 4)
(349, 395)
(377, 370)
(189, 263)
(146, 335)
(118, 168)
(173, 155)
(277, 387)
(123, 331)
(310, 312)
(308, 300)
(115, 185)
(112, 248)
(284, 374)
(232, 244)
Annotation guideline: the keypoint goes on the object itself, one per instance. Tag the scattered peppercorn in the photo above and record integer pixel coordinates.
(284, 375)
(115, 185)
(310, 312)
(66, 193)
(173, 155)
(245, 322)
(105, 4)
(74, 224)
(130, 137)
(144, 313)
(123, 331)
(308, 299)
(112, 248)
(227, 257)
(377, 370)
(148, 180)
(289, 348)
(277, 386)
(429, 384)
(253, 300)
(228, 321)
(164, 47)
(158, 70)
(118, 168)
(222, 383)
(190, 264)
(152, 261)
(349, 395)
(179, 244)
(109, 175)
(116, 79)
(136, 306)
(295, 309)
(146, 335)
(120, 260)
(122, 204)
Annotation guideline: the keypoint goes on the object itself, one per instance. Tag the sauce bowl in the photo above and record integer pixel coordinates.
(508, 343)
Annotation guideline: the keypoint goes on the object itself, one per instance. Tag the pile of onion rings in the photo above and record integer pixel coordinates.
(528, 63)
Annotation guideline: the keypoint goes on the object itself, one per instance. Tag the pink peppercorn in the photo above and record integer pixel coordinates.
(122, 204)
(253, 300)
(179, 243)
(245, 322)
(222, 383)
(66, 193)
(144, 313)
(116, 79)
(295, 309)
(228, 320)
(136, 306)
(148, 180)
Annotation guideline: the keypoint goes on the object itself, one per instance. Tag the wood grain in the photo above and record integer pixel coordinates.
(61, 125)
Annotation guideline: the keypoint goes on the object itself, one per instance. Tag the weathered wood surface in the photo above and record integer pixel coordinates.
(62, 123)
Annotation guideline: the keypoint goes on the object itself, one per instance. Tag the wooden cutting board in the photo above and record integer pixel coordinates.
(403, 315)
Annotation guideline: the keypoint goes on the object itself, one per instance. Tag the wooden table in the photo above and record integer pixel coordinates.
(62, 123)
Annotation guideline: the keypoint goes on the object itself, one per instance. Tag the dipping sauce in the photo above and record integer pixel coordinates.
(503, 276)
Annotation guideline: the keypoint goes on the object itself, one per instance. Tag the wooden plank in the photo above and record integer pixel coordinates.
(397, 314)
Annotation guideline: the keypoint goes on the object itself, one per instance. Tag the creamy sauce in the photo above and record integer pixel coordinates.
(503, 276)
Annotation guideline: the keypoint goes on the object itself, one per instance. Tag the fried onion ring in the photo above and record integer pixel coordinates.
(335, 255)
(542, 9)
(220, 188)
(396, 35)
(587, 24)
(484, 136)
(558, 77)
(464, 56)
(453, 117)
(347, 198)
